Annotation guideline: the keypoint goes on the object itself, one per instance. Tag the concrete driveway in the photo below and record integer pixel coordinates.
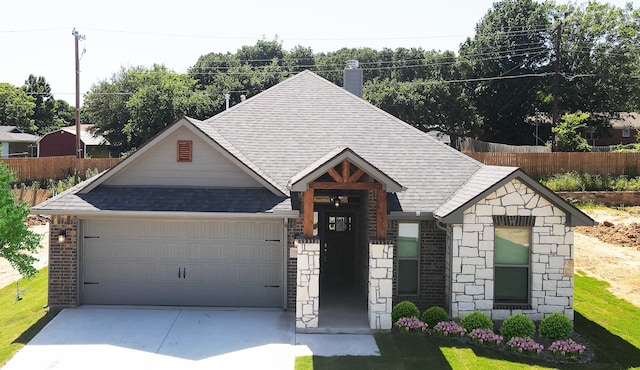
(177, 338)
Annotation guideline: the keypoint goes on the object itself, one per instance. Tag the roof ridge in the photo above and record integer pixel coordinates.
(258, 96)
(395, 119)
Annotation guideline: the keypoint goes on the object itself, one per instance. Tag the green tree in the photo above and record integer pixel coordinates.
(49, 114)
(512, 39)
(137, 103)
(427, 105)
(17, 242)
(44, 111)
(161, 97)
(600, 57)
(567, 133)
(16, 108)
(105, 106)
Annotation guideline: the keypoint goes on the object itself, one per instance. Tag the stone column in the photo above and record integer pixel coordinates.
(380, 285)
(308, 283)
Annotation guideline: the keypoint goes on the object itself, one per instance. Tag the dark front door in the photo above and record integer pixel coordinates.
(337, 257)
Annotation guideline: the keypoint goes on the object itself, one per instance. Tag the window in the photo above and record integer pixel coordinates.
(185, 151)
(340, 223)
(626, 132)
(511, 262)
(408, 252)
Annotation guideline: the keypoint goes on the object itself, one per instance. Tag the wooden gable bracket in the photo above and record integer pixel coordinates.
(345, 181)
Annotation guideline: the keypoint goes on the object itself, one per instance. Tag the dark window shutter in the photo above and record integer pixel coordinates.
(185, 151)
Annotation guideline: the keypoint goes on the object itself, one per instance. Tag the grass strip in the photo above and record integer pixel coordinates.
(21, 320)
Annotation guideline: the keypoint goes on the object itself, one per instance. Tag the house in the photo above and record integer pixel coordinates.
(62, 142)
(15, 143)
(306, 195)
(622, 130)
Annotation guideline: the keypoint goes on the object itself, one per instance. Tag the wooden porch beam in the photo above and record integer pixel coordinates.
(381, 214)
(346, 170)
(356, 175)
(335, 175)
(345, 185)
(307, 213)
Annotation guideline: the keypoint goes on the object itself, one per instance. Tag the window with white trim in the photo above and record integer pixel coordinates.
(626, 132)
(408, 258)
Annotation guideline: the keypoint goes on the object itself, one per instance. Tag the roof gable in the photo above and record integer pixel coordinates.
(132, 171)
(487, 180)
(301, 180)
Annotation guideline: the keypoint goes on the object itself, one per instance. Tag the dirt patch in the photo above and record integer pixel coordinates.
(610, 251)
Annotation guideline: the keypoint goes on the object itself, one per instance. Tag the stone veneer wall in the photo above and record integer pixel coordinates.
(471, 255)
(380, 289)
(63, 262)
(308, 283)
(431, 286)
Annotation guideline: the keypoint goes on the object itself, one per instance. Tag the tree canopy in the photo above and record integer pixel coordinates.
(491, 88)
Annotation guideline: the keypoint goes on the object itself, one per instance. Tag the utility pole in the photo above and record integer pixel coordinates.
(77, 36)
(556, 83)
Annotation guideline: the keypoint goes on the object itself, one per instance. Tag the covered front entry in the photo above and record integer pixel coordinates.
(343, 256)
(182, 263)
(343, 267)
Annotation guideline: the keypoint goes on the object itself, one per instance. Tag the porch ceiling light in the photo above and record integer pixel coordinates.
(335, 200)
(62, 237)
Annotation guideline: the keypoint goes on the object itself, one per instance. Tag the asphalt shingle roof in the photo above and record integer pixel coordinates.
(281, 132)
(289, 126)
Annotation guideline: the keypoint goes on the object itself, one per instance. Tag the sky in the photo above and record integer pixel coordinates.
(36, 35)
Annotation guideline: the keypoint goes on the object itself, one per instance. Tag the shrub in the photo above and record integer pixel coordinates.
(476, 320)
(485, 337)
(411, 325)
(567, 348)
(449, 329)
(404, 309)
(433, 315)
(556, 326)
(524, 345)
(518, 325)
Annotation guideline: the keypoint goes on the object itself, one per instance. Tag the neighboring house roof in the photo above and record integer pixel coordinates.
(293, 132)
(86, 136)
(626, 120)
(12, 134)
(441, 136)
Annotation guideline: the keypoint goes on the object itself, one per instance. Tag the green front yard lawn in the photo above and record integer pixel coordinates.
(610, 324)
(21, 320)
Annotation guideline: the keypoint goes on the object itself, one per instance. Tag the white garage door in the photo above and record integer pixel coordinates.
(222, 263)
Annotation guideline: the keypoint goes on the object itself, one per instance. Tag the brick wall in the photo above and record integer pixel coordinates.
(63, 262)
(431, 288)
(294, 229)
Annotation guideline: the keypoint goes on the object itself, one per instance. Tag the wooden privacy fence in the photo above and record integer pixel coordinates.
(540, 165)
(31, 196)
(35, 169)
